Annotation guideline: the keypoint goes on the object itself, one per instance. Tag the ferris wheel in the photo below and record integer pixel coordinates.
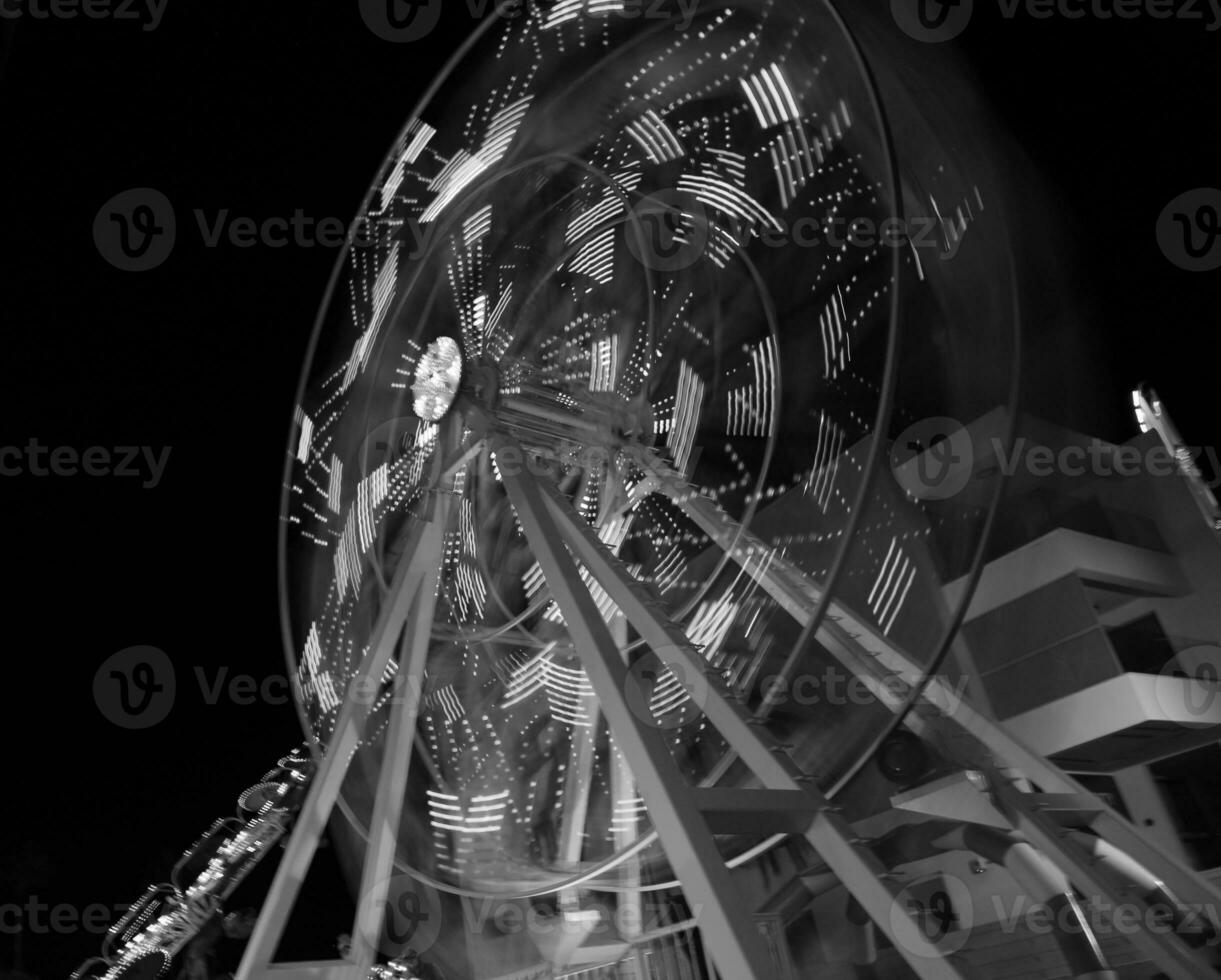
(594, 491)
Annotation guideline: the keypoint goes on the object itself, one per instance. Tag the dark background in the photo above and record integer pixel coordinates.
(267, 106)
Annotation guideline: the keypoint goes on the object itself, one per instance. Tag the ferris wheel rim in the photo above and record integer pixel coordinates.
(881, 421)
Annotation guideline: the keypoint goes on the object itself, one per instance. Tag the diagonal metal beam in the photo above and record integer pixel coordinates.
(425, 546)
(965, 723)
(737, 946)
(852, 862)
(396, 759)
(1162, 946)
(852, 640)
(578, 782)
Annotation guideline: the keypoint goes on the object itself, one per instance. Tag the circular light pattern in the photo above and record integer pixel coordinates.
(635, 260)
(437, 374)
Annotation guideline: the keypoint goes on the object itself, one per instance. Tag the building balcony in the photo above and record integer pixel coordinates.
(1132, 719)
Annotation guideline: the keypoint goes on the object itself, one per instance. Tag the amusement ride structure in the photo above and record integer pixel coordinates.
(609, 447)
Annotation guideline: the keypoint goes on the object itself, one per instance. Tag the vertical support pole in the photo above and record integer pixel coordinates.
(623, 787)
(577, 785)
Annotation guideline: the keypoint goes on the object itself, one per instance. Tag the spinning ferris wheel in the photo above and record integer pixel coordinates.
(594, 462)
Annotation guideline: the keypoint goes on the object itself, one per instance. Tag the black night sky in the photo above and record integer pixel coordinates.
(266, 107)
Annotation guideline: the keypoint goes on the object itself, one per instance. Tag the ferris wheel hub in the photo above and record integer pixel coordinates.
(437, 375)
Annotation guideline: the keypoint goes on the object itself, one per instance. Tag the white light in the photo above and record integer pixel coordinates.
(436, 379)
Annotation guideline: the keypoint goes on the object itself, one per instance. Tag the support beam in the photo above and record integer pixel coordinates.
(853, 863)
(424, 547)
(578, 779)
(830, 835)
(755, 811)
(626, 830)
(737, 947)
(396, 760)
(1172, 955)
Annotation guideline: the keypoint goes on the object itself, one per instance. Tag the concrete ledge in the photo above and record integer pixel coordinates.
(1116, 705)
(1096, 560)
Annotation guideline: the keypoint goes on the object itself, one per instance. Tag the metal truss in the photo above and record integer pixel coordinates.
(687, 817)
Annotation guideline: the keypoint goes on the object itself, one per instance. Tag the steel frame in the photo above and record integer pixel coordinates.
(686, 816)
(414, 585)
